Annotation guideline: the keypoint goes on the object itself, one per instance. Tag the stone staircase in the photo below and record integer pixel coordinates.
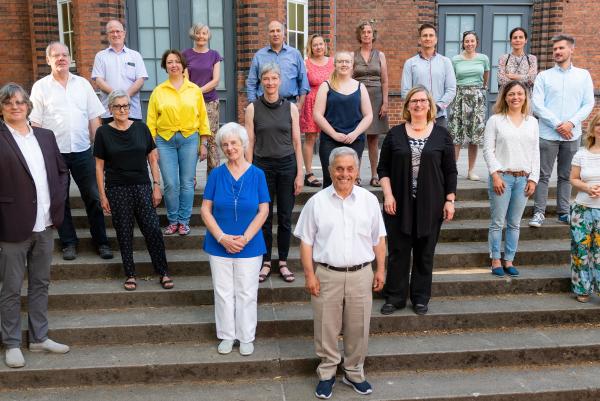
(484, 338)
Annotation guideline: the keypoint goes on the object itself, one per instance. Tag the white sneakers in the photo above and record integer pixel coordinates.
(49, 346)
(472, 176)
(14, 358)
(226, 346)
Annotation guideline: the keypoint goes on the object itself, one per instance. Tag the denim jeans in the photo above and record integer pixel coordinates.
(507, 207)
(83, 169)
(177, 161)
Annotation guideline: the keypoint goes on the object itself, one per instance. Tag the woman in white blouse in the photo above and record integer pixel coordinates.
(511, 152)
(585, 215)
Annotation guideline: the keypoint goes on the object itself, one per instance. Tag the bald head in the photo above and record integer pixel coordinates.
(276, 34)
(115, 32)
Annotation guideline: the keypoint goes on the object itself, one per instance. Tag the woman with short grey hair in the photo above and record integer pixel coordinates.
(234, 207)
(273, 125)
(123, 150)
(204, 69)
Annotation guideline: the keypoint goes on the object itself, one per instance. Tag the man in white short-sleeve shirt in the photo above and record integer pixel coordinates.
(119, 67)
(67, 105)
(342, 231)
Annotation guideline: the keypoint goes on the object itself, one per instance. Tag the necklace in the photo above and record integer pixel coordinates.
(418, 129)
(236, 197)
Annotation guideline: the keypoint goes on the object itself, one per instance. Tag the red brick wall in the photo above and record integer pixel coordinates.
(15, 43)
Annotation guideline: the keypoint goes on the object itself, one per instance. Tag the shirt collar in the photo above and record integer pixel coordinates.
(333, 193)
(16, 133)
(123, 50)
(284, 47)
(420, 54)
(564, 69)
(186, 83)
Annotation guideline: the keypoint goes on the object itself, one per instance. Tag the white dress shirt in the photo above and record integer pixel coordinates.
(342, 232)
(66, 111)
(30, 148)
(507, 147)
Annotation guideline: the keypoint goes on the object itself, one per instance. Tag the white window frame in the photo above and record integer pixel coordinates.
(304, 31)
(63, 27)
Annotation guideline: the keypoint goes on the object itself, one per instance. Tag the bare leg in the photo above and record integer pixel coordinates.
(307, 150)
(372, 143)
(456, 152)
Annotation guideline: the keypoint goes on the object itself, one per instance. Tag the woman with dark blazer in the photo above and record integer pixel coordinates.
(418, 175)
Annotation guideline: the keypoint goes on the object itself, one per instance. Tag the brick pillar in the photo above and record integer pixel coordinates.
(546, 22)
(15, 39)
(321, 17)
(44, 29)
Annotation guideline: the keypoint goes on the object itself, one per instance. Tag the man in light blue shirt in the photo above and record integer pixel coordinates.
(563, 96)
(119, 67)
(431, 70)
(294, 82)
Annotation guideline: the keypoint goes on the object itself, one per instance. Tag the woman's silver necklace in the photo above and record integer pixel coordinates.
(236, 197)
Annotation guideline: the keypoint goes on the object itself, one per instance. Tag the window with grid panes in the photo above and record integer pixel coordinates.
(297, 24)
(65, 26)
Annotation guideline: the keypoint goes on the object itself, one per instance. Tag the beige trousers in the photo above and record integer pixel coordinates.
(344, 305)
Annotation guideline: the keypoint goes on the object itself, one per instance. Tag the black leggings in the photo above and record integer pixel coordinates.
(135, 201)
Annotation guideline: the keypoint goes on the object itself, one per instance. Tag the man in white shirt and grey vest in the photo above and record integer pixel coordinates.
(342, 232)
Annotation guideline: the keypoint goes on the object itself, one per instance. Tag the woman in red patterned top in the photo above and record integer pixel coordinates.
(318, 68)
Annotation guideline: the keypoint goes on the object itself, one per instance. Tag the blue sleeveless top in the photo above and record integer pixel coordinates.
(342, 112)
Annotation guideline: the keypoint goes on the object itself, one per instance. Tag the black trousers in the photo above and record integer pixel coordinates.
(280, 174)
(129, 202)
(399, 276)
(327, 144)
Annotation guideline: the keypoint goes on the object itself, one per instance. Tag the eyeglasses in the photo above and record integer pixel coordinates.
(343, 61)
(115, 32)
(120, 107)
(415, 101)
(18, 103)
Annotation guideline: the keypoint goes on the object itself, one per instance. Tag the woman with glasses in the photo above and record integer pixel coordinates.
(178, 122)
(204, 69)
(123, 151)
(418, 178)
(467, 118)
(342, 111)
(517, 65)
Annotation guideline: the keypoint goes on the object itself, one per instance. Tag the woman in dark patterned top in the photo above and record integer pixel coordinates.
(517, 65)
(418, 174)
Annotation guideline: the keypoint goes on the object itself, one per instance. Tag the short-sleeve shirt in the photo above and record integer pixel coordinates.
(233, 217)
(66, 111)
(200, 67)
(120, 70)
(590, 174)
(124, 153)
(470, 72)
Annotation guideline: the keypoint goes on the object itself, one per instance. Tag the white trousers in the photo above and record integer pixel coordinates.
(235, 282)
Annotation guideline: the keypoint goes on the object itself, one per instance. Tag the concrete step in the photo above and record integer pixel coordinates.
(195, 262)
(292, 357)
(182, 323)
(78, 294)
(465, 210)
(453, 231)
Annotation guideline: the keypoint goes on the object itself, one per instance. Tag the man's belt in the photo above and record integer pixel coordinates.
(345, 269)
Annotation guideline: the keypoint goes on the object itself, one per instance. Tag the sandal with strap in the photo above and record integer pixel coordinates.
(286, 274)
(166, 283)
(311, 183)
(264, 273)
(130, 284)
(374, 182)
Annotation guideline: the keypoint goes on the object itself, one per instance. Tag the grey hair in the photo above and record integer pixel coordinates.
(55, 43)
(11, 89)
(283, 27)
(563, 36)
(229, 130)
(196, 27)
(112, 21)
(343, 151)
(270, 67)
(116, 94)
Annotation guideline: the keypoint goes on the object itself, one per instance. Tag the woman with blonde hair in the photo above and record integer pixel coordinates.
(370, 68)
(318, 68)
(585, 215)
(512, 154)
(342, 111)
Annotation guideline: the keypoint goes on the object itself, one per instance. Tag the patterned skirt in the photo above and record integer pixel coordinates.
(467, 118)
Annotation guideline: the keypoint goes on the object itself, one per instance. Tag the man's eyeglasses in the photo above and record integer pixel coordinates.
(120, 107)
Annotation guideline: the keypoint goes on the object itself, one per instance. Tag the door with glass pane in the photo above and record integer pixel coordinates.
(158, 25)
(492, 23)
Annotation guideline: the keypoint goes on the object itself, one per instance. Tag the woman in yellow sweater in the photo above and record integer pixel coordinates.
(178, 122)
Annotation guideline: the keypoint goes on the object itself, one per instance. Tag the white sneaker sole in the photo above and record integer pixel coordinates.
(345, 381)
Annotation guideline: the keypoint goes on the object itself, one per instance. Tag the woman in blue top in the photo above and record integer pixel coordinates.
(234, 208)
(342, 111)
